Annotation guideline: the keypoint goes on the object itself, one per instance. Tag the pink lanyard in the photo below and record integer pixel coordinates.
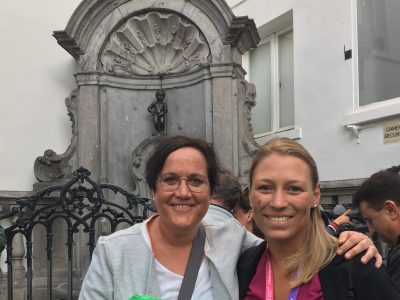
(269, 284)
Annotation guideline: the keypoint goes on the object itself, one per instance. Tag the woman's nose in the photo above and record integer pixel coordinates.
(183, 189)
(278, 200)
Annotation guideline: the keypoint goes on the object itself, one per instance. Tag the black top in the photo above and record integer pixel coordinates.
(367, 282)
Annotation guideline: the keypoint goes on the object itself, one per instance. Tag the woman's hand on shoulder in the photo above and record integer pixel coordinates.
(352, 243)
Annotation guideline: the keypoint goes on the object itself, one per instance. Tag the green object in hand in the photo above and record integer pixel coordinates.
(145, 297)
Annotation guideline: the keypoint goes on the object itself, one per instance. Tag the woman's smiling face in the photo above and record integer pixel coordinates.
(182, 209)
(282, 195)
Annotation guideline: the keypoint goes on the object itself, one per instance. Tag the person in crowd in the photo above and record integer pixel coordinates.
(378, 199)
(223, 202)
(333, 226)
(226, 194)
(243, 211)
(300, 260)
(2, 239)
(244, 214)
(174, 254)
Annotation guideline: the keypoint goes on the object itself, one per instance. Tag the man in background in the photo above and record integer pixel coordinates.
(378, 199)
(243, 212)
(226, 195)
(223, 201)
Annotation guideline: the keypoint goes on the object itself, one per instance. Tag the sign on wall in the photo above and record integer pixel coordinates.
(391, 131)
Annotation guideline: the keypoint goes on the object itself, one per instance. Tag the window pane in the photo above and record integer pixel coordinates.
(260, 75)
(378, 50)
(286, 94)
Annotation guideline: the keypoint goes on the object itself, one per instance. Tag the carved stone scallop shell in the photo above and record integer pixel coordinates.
(155, 43)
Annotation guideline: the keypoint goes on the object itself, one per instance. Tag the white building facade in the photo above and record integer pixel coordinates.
(340, 93)
(340, 108)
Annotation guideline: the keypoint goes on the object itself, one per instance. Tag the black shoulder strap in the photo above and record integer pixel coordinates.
(193, 265)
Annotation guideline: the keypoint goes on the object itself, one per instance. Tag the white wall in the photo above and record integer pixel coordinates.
(324, 92)
(36, 76)
(261, 11)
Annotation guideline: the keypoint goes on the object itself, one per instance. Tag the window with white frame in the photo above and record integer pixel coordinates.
(271, 70)
(378, 34)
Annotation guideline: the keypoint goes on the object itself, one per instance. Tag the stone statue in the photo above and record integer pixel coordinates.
(159, 109)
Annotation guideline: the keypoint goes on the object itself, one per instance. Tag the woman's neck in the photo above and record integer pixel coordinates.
(159, 233)
(170, 248)
(280, 251)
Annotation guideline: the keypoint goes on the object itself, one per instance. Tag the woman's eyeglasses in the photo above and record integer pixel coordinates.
(170, 182)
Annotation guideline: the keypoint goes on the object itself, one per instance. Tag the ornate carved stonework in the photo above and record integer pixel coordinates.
(247, 97)
(155, 43)
(139, 159)
(51, 165)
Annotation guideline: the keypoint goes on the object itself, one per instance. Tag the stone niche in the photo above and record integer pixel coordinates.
(126, 51)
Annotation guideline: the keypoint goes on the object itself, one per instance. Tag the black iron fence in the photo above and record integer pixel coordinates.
(82, 206)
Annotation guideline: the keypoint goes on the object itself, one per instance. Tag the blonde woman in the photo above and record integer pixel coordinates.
(299, 261)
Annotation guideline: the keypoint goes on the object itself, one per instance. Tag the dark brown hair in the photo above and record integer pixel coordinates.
(167, 145)
(228, 190)
(381, 186)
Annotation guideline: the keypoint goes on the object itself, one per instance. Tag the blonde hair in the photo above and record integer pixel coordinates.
(319, 247)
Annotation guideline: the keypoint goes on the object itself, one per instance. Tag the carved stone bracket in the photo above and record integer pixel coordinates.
(67, 43)
(52, 166)
(155, 43)
(243, 34)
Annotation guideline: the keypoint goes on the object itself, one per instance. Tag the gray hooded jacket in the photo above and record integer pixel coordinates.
(122, 263)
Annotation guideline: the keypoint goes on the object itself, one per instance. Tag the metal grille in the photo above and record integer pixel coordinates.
(81, 203)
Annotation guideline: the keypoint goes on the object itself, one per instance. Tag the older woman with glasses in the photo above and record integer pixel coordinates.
(173, 254)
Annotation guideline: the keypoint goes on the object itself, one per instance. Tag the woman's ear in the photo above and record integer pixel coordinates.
(316, 195)
(249, 216)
